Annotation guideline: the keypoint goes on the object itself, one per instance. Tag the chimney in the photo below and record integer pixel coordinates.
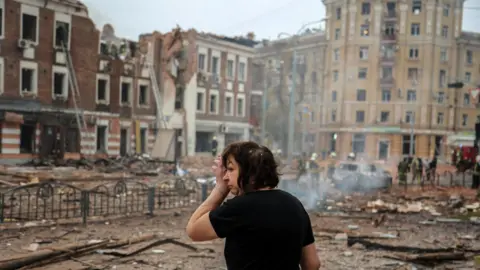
(251, 35)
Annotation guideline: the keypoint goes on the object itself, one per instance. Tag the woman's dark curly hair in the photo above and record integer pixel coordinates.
(257, 165)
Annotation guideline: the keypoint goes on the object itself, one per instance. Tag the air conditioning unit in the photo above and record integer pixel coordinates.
(24, 44)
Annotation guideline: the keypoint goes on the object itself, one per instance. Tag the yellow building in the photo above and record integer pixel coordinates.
(388, 64)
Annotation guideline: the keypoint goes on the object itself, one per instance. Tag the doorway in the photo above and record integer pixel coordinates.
(143, 140)
(383, 150)
(123, 141)
(438, 145)
(102, 139)
(27, 139)
(49, 136)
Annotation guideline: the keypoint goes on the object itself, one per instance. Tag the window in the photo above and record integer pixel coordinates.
(389, 30)
(240, 107)
(441, 97)
(391, 9)
(384, 117)
(29, 27)
(200, 102)
(29, 82)
(442, 78)
(388, 51)
(387, 72)
(59, 84)
(469, 57)
(415, 29)
(409, 117)
(416, 6)
(365, 8)
(446, 10)
(333, 116)
(464, 119)
(445, 31)
(337, 34)
(466, 99)
(102, 90)
(362, 73)
(230, 69)
(361, 95)
(241, 72)
(440, 118)
(1, 20)
(62, 34)
(360, 117)
(215, 65)
(468, 77)
(334, 96)
(338, 13)
(201, 61)
(443, 55)
(411, 95)
(125, 96)
(143, 95)
(335, 75)
(213, 104)
(228, 105)
(336, 54)
(363, 53)
(413, 53)
(386, 95)
(364, 30)
(102, 140)
(406, 145)
(413, 74)
(358, 143)
(27, 139)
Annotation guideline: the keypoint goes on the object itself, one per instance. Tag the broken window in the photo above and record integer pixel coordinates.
(29, 27)
(28, 76)
(27, 139)
(143, 95)
(143, 140)
(102, 90)
(1, 21)
(406, 144)
(72, 141)
(58, 84)
(364, 30)
(362, 73)
(102, 139)
(416, 6)
(61, 34)
(104, 48)
(125, 95)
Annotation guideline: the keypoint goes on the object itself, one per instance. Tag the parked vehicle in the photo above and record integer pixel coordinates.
(356, 176)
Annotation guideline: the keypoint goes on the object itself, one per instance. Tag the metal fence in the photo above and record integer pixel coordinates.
(61, 201)
(445, 179)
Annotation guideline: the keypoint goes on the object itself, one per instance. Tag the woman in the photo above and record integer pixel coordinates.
(265, 228)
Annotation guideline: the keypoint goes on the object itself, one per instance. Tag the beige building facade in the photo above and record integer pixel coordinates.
(387, 67)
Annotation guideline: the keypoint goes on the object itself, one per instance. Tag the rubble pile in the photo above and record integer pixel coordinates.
(198, 166)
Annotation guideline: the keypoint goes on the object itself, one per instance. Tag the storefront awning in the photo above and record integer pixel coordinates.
(460, 140)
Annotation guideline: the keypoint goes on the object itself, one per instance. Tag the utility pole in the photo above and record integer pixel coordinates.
(264, 105)
(412, 140)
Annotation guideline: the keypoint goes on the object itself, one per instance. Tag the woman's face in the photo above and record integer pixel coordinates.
(231, 175)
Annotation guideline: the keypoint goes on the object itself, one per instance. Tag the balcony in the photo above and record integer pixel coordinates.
(389, 38)
(390, 16)
(387, 60)
(387, 81)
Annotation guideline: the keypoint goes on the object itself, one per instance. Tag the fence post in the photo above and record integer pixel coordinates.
(2, 203)
(204, 191)
(84, 206)
(151, 200)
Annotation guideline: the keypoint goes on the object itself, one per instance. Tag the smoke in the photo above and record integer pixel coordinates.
(315, 193)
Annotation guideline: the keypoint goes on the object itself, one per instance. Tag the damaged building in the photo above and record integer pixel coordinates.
(68, 88)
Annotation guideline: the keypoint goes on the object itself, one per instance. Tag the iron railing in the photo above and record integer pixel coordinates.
(61, 201)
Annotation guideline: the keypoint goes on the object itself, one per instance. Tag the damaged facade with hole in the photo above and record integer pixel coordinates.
(56, 68)
(223, 83)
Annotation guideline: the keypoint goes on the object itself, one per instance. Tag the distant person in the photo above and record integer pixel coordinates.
(265, 228)
(476, 174)
(214, 146)
(402, 171)
(432, 169)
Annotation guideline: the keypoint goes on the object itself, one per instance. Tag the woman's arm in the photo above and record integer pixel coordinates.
(310, 260)
(199, 227)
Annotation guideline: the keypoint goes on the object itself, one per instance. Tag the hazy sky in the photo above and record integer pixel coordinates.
(228, 17)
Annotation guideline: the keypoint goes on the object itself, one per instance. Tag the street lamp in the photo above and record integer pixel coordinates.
(291, 119)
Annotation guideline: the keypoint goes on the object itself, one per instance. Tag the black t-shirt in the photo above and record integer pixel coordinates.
(264, 230)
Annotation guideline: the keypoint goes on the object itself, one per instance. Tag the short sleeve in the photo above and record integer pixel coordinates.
(227, 218)
(308, 234)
